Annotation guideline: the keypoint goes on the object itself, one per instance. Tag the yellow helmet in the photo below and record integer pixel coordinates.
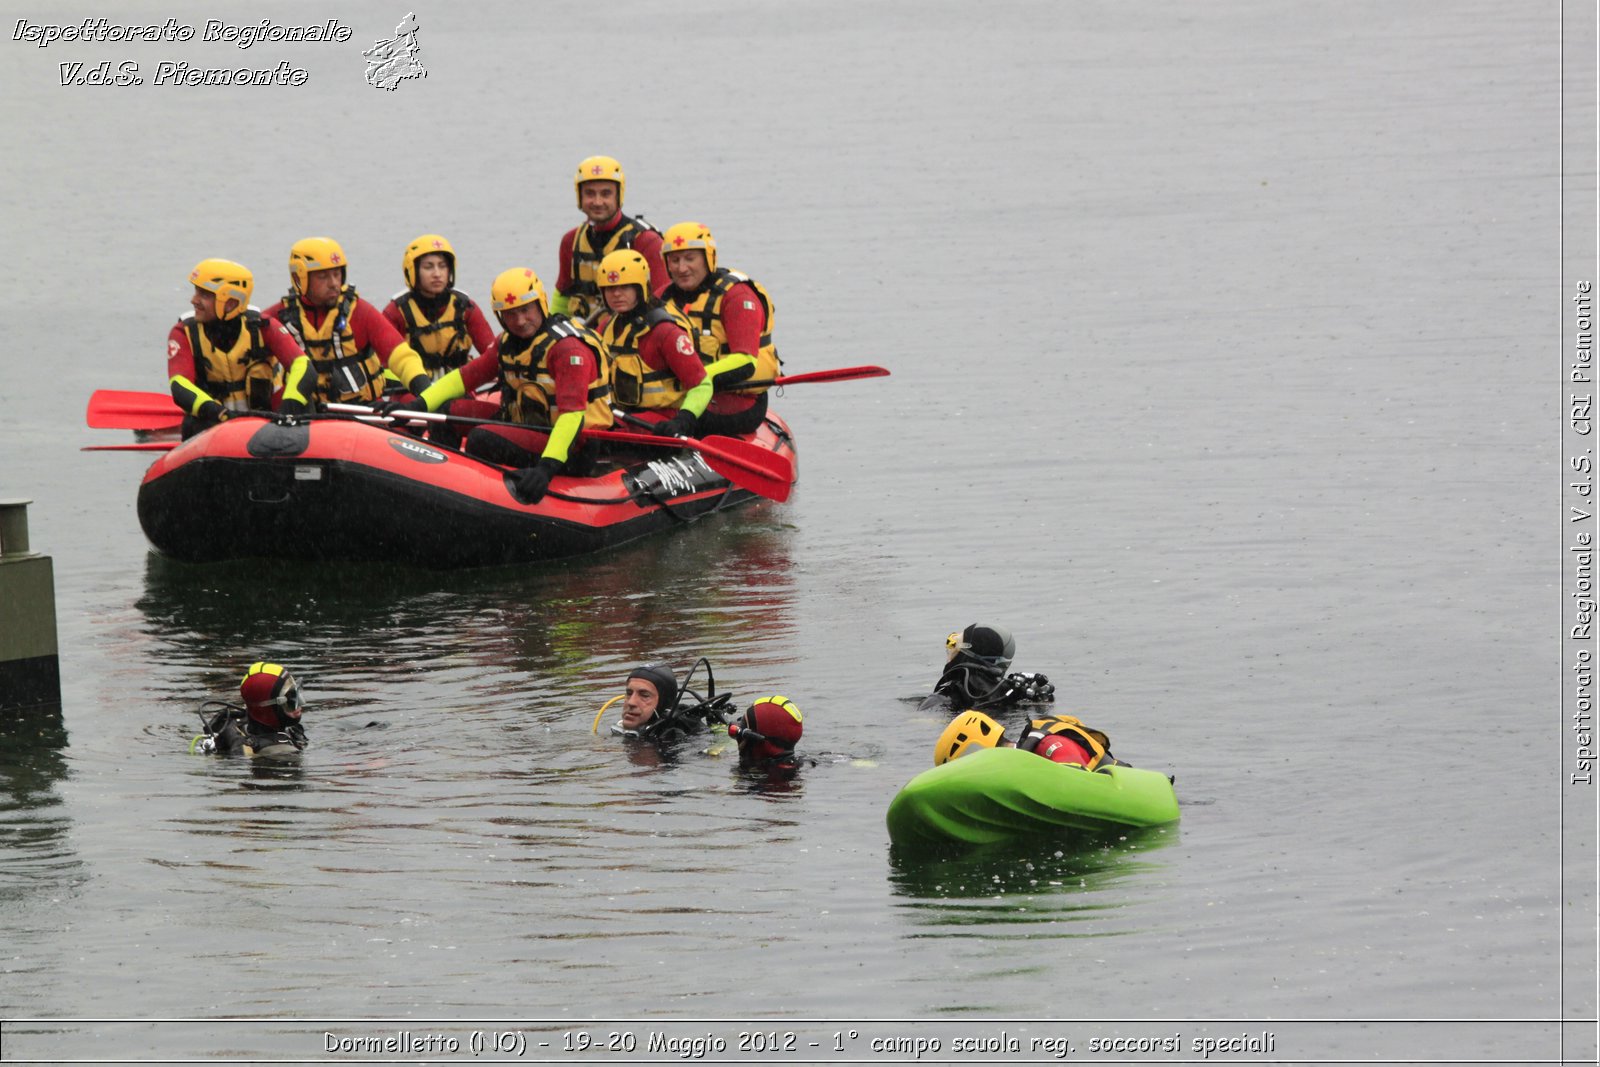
(427, 244)
(225, 279)
(967, 731)
(687, 235)
(517, 288)
(624, 267)
(599, 169)
(313, 253)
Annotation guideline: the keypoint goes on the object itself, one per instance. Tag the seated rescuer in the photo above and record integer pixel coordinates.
(555, 382)
(347, 340)
(224, 357)
(655, 366)
(269, 722)
(442, 323)
(731, 316)
(599, 185)
(767, 733)
(1058, 738)
(974, 676)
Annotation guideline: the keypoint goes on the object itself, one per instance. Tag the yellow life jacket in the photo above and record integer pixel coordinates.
(528, 393)
(703, 308)
(636, 384)
(1097, 743)
(241, 377)
(583, 295)
(345, 373)
(444, 342)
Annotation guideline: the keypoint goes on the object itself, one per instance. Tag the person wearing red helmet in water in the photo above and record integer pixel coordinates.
(767, 733)
(269, 722)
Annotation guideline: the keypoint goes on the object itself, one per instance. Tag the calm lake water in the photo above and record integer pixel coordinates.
(1222, 341)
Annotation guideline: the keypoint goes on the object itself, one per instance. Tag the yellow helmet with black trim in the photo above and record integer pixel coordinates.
(687, 235)
(599, 169)
(517, 288)
(225, 280)
(427, 244)
(967, 731)
(624, 267)
(313, 253)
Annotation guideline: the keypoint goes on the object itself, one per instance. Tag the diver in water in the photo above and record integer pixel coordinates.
(656, 708)
(975, 674)
(267, 725)
(766, 734)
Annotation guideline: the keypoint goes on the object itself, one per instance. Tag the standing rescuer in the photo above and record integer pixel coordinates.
(224, 357)
(599, 185)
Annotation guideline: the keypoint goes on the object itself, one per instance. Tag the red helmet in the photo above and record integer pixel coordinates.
(768, 729)
(271, 695)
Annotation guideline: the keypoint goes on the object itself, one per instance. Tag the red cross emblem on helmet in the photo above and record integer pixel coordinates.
(613, 275)
(438, 243)
(678, 240)
(597, 169)
(335, 258)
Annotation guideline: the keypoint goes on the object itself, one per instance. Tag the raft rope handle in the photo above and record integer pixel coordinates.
(595, 729)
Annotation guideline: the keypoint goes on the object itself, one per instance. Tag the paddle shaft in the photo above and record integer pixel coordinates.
(746, 465)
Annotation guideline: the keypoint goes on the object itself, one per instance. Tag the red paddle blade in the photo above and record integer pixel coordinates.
(119, 409)
(749, 466)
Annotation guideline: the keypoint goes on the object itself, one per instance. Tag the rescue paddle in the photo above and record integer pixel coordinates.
(142, 446)
(838, 374)
(118, 409)
(746, 465)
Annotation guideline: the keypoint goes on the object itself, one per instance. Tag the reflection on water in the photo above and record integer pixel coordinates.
(1034, 882)
(33, 823)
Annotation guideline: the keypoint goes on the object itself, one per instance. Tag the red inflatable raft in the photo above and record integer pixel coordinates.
(328, 489)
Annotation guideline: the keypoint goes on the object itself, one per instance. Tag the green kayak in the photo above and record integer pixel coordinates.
(1004, 793)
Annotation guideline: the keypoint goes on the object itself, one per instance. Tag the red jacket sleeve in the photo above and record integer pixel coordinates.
(572, 367)
(369, 327)
(743, 318)
(279, 342)
(666, 345)
(180, 360)
(483, 335)
(564, 251)
(391, 311)
(648, 245)
(483, 368)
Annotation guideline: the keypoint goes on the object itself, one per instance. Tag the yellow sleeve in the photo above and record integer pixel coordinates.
(187, 395)
(734, 361)
(446, 389)
(562, 434)
(301, 381)
(406, 363)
